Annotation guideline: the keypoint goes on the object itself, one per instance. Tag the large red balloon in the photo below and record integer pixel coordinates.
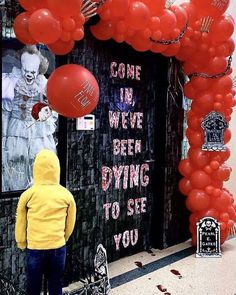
(44, 27)
(72, 91)
(21, 28)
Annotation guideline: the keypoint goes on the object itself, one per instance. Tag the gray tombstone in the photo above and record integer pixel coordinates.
(208, 238)
(214, 125)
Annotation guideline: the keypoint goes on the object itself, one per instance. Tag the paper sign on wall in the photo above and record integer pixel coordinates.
(85, 123)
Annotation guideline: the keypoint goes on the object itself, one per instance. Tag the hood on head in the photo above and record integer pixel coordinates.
(46, 168)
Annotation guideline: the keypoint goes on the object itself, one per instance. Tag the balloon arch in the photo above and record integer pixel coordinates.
(197, 33)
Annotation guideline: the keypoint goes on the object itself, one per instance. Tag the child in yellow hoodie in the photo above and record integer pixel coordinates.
(45, 219)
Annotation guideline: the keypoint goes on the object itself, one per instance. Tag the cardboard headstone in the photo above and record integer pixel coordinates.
(208, 238)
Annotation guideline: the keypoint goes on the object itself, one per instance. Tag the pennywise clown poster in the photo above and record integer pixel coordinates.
(25, 70)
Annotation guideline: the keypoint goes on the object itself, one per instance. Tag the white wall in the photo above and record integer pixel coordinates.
(231, 184)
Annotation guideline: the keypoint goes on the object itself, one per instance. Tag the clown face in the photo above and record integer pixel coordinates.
(44, 113)
(30, 67)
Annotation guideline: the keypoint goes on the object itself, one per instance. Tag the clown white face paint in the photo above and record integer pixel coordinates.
(44, 114)
(30, 67)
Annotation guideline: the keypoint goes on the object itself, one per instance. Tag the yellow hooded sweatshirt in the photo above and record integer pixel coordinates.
(45, 216)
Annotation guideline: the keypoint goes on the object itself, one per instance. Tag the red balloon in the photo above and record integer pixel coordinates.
(224, 217)
(185, 186)
(140, 43)
(211, 8)
(198, 200)
(223, 84)
(68, 24)
(196, 138)
(138, 15)
(194, 122)
(200, 83)
(212, 213)
(32, 5)
(197, 157)
(191, 11)
(103, 30)
(220, 156)
(21, 29)
(217, 64)
(167, 21)
(65, 8)
(232, 213)
(205, 101)
(229, 47)
(61, 47)
(222, 202)
(199, 179)
(72, 91)
(156, 7)
(185, 168)
(65, 36)
(172, 49)
(214, 165)
(181, 16)
(222, 29)
(78, 34)
(118, 8)
(189, 90)
(207, 169)
(222, 173)
(194, 218)
(44, 27)
(209, 189)
(227, 135)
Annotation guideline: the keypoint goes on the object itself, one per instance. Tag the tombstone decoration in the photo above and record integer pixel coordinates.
(97, 281)
(214, 125)
(101, 266)
(208, 238)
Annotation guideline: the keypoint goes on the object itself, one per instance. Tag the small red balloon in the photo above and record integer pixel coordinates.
(61, 47)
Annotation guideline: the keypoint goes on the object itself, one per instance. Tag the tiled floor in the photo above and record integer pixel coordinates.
(176, 271)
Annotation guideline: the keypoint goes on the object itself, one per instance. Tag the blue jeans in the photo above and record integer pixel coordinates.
(50, 263)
